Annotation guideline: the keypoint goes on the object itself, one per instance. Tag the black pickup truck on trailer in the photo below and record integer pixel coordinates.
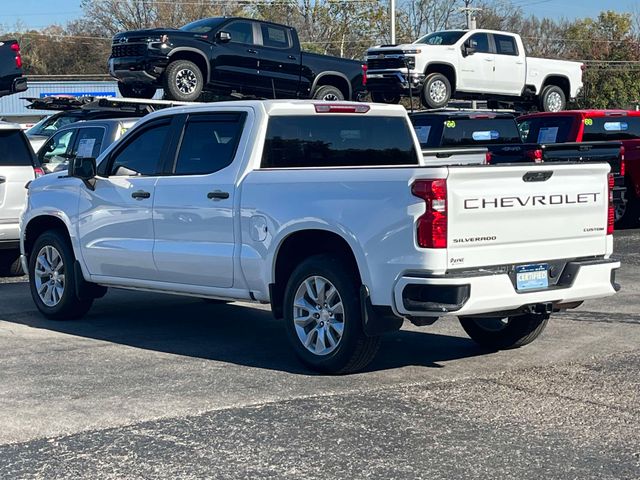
(229, 56)
(11, 78)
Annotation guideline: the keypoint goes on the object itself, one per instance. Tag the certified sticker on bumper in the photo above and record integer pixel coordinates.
(532, 277)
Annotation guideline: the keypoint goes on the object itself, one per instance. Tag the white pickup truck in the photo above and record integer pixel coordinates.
(329, 213)
(470, 64)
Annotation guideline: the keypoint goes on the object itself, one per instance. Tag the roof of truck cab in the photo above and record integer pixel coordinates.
(280, 107)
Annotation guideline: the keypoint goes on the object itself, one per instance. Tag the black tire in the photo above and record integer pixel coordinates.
(354, 350)
(630, 214)
(517, 332)
(136, 91)
(10, 265)
(183, 70)
(328, 93)
(385, 97)
(69, 306)
(427, 96)
(552, 99)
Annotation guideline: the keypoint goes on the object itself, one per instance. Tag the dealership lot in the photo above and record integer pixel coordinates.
(155, 386)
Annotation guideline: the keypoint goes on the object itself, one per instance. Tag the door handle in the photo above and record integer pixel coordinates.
(488, 59)
(140, 194)
(251, 50)
(217, 195)
(291, 57)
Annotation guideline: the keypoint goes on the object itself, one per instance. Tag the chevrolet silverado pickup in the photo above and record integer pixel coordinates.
(229, 56)
(11, 78)
(470, 64)
(328, 212)
(596, 126)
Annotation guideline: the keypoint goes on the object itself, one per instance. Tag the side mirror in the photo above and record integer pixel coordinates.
(85, 169)
(468, 50)
(223, 37)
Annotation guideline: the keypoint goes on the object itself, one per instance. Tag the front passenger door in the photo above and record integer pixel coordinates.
(115, 224)
(236, 61)
(477, 69)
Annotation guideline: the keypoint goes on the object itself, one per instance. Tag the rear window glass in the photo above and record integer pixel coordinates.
(611, 128)
(326, 140)
(13, 149)
(554, 129)
(489, 131)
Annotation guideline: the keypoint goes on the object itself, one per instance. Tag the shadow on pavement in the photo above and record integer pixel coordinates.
(231, 333)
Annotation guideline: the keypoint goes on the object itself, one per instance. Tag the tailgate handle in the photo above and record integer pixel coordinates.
(537, 176)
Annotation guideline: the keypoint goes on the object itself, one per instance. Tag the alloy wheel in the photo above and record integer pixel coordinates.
(49, 276)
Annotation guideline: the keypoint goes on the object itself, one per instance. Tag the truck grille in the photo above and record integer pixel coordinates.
(385, 63)
(128, 50)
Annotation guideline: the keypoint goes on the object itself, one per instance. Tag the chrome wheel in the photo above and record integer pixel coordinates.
(49, 276)
(186, 81)
(330, 97)
(318, 315)
(438, 91)
(554, 102)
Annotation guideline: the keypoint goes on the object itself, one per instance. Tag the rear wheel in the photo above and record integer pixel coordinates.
(10, 265)
(552, 99)
(136, 91)
(52, 278)
(323, 317)
(385, 97)
(328, 93)
(498, 333)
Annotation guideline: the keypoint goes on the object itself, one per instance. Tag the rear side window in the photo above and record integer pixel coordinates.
(14, 151)
(209, 143)
(505, 45)
(611, 128)
(89, 142)
(546, 130)
(477, 132)
(338, 141)
(274, 37)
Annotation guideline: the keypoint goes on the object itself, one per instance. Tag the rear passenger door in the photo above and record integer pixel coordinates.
(510, 68)
(193, 208)
(279, 63)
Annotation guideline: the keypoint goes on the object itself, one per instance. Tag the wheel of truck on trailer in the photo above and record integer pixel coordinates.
(183, 81)
(436, 91)
(552, 99)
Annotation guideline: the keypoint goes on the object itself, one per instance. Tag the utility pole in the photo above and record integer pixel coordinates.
(393, 22)
(469, 11)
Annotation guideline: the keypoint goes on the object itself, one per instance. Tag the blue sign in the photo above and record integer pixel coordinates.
(79, 94)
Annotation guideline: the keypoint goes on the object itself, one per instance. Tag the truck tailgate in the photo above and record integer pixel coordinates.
(510, 214)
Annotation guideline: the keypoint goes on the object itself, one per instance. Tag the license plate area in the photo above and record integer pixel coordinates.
(532, 277)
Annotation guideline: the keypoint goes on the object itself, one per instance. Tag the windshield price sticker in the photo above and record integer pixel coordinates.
(450, 124)
(588, 121)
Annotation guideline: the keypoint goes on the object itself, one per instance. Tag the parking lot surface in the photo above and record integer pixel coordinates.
(151, 386)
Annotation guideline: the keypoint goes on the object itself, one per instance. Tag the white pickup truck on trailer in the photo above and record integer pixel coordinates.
(470, 64)
(328, 212)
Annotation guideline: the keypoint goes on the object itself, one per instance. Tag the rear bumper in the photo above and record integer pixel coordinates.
(394, 81)
(138, 70)
(446, 295)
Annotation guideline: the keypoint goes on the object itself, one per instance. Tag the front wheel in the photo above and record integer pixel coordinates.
(499, 333)
(436, 91)
(323, 316)
(183, 81)
(52, 278)
(552, 99)
(136, 91)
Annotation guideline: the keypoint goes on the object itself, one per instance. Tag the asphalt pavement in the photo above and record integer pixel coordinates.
(151, 386)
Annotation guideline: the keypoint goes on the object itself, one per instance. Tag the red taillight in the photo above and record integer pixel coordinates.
(364, 75)
(488, 157)
(337, 108)
(623, 163)
(39, 172)
(611, 214)
(535, 155)
(16, 48)
(432, 225)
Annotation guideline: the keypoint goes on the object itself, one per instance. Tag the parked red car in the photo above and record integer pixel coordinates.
(594, 126)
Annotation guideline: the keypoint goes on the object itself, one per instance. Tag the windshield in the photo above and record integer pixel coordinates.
(50, 125)
(441, 38)
(202, 26)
